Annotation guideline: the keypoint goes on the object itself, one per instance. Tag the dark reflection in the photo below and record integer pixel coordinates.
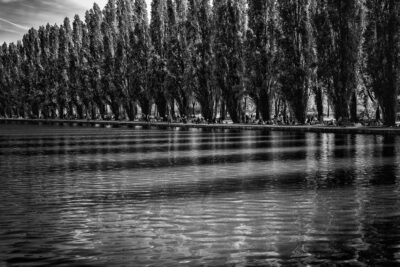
(142, 196)
(334, 222)
(382, 220)
(183, 157)
(385, 152)
(44, 147)
(345, 148)
(204, 189)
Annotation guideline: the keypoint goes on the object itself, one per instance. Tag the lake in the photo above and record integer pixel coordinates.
(172, 197)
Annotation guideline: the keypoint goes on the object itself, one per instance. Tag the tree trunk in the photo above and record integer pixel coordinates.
(9, 112)
(115, 110)
(319, 104)
(184, 106)
(53, 112)
(378, 114)
(93, 114)
(258, 103)
(130, 110)
(35, 110)
(172, 109)
(265, 106)
(161, 103)
(79, 111)
(70, 110)
(353, 108)
(215, 105)
(102, 110)
(2, 111)
(61, 110)
(299, 108)
(277, 106)
(222, 110)
(389, 110)
(45, 112)
(285, 112)
(234, 109)
(145, 106)
(206, 111)
(341, 110)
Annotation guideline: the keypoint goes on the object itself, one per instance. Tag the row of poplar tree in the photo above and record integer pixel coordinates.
(212, 53)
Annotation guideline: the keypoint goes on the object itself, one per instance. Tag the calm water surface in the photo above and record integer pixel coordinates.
(148, 197)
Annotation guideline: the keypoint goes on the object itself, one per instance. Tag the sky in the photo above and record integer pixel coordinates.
(17, 16)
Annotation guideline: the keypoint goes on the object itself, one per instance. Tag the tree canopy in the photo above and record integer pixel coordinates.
(220, 55)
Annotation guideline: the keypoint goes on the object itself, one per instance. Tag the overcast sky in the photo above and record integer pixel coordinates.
(17, 16)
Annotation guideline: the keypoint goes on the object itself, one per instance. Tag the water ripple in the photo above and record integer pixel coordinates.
(147, 197)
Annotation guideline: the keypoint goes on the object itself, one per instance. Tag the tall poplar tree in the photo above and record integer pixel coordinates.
(70, 89)
(382, 47)
(229, 55)
(3, 92)
(63, 79)
(19, 75)
(76, 65)
(114, 97)
(43, 71)
(203, 58)
(4, 78)
(338, 29)
(31, 65)
(178, 61)
(297, 55)
(140, 47)
(93, 20)
(158, 59)
(53, 72)
(65, 92)
(8, 81)
(262, 54)
(126, 22)
(86, 94)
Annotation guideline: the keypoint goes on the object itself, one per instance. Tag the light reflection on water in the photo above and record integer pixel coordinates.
(93, 196)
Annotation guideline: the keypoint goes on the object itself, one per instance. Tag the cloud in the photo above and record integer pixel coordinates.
(9, 1)
(14, 24)
(19, 15)
(9, 31)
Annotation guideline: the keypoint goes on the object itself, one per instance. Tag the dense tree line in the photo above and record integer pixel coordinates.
(283, 55)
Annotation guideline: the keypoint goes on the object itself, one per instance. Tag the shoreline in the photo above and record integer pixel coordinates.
(281, 128)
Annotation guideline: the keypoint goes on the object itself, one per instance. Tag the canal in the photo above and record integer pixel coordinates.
(175, 197)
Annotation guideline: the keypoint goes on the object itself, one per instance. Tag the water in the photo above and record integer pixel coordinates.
(148, 197)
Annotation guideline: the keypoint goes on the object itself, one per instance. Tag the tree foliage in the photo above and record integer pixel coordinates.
(262, 54)
(229, 55)
(296, 42)
(215, 53)
(339, 30)
(382, 49)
